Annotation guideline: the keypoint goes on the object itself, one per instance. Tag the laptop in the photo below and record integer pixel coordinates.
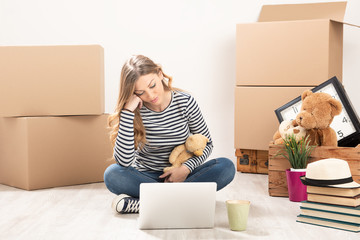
(177, 205)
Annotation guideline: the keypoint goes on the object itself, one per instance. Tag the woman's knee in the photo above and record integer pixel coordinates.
(113, 175)
(109, 173)
(228, 169)
(227, 164)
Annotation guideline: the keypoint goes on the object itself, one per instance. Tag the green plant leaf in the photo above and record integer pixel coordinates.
(296, 152)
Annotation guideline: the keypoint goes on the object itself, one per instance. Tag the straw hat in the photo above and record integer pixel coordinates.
(330, 172)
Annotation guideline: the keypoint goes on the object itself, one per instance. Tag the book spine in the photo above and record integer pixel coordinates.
(328, 223)
(333, 200)
(349, 218)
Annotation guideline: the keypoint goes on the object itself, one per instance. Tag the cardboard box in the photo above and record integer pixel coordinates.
(278, 164)
(291, 45)
(43, 152)
(255, 120)
(51, 80)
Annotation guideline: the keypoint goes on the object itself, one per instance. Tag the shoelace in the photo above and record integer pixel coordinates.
(132, 205)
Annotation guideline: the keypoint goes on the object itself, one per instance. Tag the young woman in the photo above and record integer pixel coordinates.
(152, 118)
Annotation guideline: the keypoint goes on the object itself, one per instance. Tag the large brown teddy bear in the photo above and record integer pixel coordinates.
(317, 113)
(194, 146)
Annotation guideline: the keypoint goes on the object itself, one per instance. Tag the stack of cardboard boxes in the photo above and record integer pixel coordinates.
(290, 49)
(52, 123)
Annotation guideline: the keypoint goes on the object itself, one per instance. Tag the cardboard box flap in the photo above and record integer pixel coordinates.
(290, 12)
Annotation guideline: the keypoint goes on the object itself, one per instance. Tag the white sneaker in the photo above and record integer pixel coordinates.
(125, 204)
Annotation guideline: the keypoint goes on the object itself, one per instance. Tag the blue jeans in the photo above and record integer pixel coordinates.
(127, 180)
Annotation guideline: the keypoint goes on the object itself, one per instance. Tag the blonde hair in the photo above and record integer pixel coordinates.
(132, 70)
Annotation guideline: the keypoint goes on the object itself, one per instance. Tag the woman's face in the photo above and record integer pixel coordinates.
(151, 90)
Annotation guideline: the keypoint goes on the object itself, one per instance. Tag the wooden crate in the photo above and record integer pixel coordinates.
(278, 165)
(252, 161)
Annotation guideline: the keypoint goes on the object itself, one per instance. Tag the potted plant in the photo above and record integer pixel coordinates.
(297, 152)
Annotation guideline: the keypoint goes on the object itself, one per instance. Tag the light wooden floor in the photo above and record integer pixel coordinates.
(84, 212)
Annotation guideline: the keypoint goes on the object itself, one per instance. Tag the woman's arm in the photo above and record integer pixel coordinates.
(124, 149)
(197, 124)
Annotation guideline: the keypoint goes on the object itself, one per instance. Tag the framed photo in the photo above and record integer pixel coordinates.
(346, 125)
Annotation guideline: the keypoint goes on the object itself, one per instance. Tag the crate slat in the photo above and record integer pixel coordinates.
(278, 164)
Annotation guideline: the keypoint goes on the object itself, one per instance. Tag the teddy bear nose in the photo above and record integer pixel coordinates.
(301, 118)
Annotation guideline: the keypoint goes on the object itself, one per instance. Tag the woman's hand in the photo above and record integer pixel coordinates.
(178, 174)
(133, 103)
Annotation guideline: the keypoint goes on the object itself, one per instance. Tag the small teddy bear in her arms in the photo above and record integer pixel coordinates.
(194, 146)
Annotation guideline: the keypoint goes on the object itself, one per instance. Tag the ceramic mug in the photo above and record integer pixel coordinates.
(238, 211)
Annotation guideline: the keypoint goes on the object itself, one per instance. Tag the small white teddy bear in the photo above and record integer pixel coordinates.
(289, 127)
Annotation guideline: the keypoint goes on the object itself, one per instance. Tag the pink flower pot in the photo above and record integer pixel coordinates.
(296, 189)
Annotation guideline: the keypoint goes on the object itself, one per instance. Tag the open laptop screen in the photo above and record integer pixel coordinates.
(177, 205)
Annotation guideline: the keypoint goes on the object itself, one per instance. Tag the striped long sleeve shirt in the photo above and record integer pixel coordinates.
(164, 131)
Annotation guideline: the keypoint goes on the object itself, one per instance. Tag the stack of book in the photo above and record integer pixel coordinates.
(332, 207)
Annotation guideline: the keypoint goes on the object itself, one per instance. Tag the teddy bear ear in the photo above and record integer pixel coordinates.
(336, 106)
(305, 94)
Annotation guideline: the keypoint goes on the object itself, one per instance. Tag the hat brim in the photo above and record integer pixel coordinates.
(346, 185)
(343, 185)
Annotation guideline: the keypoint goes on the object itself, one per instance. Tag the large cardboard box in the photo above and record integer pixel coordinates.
(255, 120)
(43, 152)
(291, 45)
(51, 80)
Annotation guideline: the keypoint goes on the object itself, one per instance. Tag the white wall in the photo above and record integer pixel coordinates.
(194, 40)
